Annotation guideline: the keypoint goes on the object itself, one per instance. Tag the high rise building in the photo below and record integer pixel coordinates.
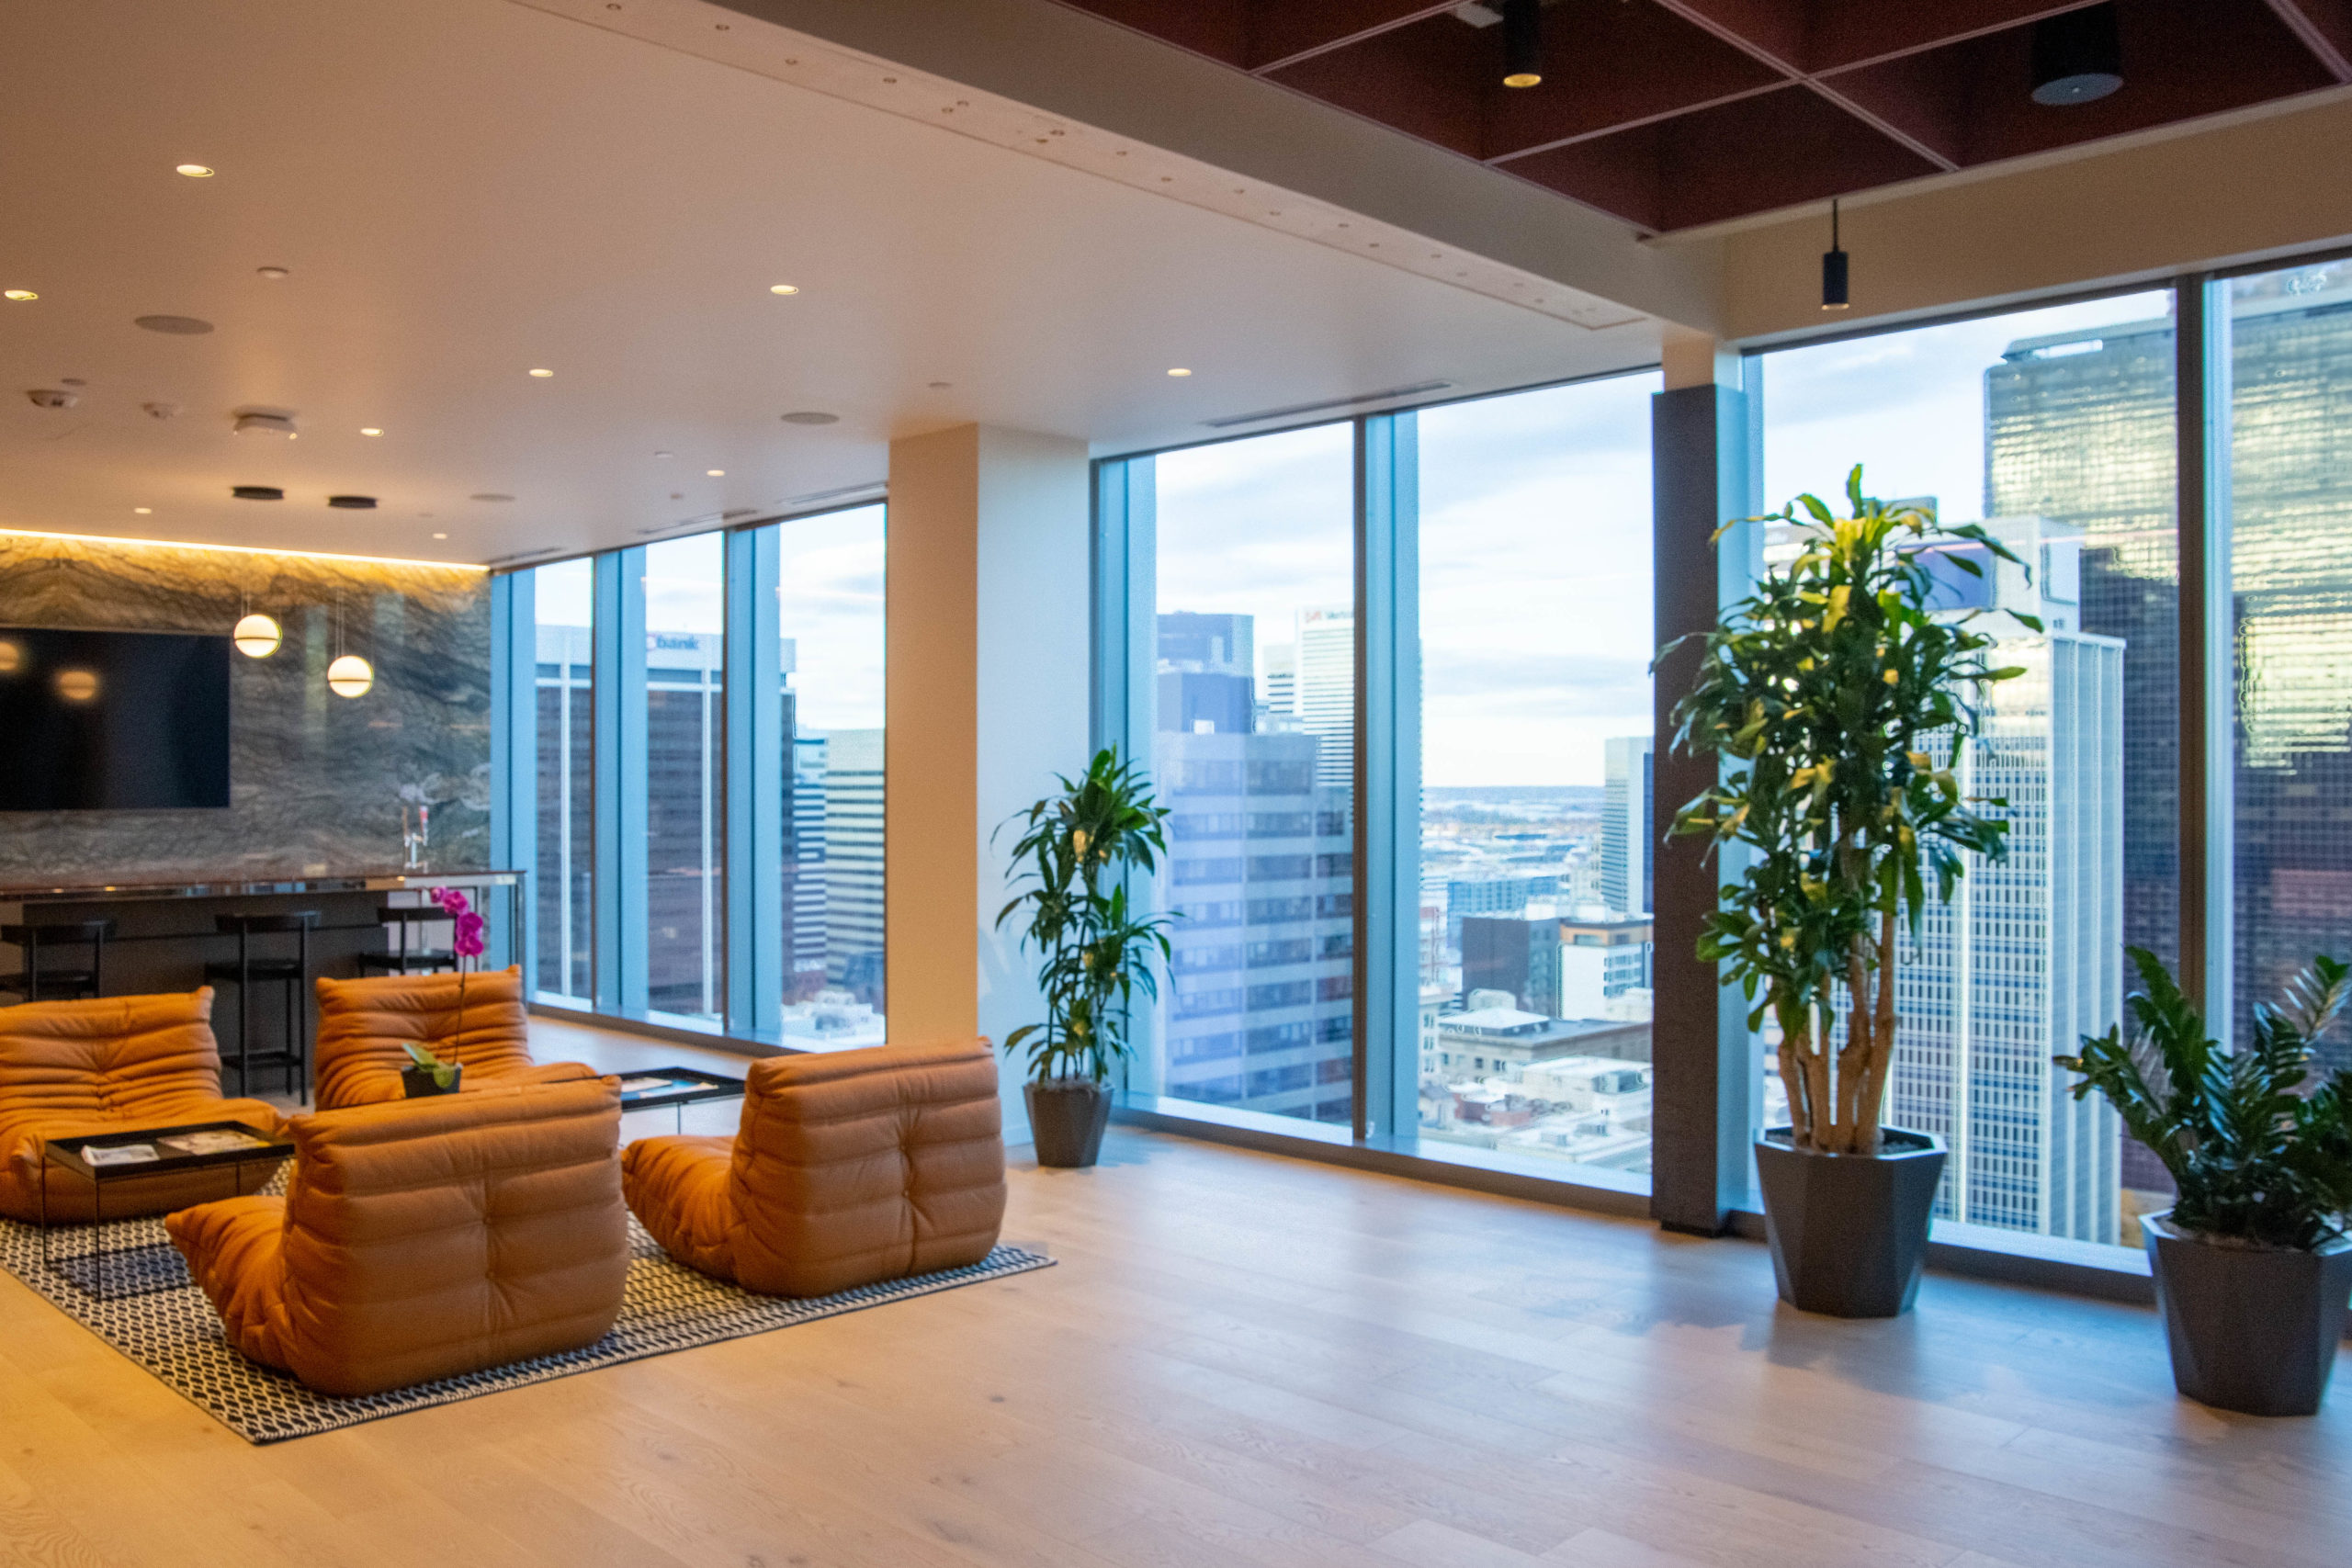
(1517, 957)
(2081, 429)
(853, 796)
(2290, 580)
(1258, 1011)
(2020, 964)
(685, 782)
(1327, 691)
(564, 887)
(1219, 643)
(1278, 687)
(804, 863)
(1628, 845)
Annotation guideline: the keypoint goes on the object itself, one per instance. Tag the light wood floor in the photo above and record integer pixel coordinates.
(1242, 1362)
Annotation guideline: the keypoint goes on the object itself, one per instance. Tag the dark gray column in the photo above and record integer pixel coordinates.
(1705, 1079)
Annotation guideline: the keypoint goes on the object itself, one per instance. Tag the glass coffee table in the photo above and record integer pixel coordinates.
(106, 1160)
(652, 1088)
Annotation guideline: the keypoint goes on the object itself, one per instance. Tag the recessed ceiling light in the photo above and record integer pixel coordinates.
(195, 171)
(490, 495)
(143, 511)
(940, 385)
(22, 294)
(543, 375)
(369, 430)
(275, 274)
(1178, 370)
(175, 326)
(257, 493)
(665, 453)
(352, 502)
(440, 536)
(782, 288)
(810, 416)
(716, 473)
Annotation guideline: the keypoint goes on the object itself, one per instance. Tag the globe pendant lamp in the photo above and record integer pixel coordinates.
(349, 675)
(256, 636)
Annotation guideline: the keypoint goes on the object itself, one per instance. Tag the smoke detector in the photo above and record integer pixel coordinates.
(256, 422)
(53, 398)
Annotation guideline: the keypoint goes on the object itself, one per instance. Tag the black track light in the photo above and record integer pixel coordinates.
(2078, 57)
(1522, 42)
(1833, 266)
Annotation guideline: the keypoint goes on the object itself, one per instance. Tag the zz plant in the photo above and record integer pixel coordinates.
(1075, 851)
(1828, 692)
(2256, 1159)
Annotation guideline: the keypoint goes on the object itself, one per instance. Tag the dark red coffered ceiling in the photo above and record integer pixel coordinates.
(1676, 113)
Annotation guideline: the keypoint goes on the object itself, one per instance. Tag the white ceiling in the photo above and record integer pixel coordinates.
(466, 189)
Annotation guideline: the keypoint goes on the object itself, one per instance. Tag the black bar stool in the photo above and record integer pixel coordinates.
(402, 959)
(245, 971)
(36, 980)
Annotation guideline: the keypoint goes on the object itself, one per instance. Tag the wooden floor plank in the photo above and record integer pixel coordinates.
(1241, 1361)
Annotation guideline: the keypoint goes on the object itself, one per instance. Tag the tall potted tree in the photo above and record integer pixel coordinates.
(1842, 702)
(2252, 1265)
(1073, 856)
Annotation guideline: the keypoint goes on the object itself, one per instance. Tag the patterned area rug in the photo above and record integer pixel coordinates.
(169, 1327)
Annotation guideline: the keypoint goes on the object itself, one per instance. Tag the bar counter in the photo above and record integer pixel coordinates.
(163, 922)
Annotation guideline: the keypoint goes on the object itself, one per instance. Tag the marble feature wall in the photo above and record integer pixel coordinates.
(316, 781)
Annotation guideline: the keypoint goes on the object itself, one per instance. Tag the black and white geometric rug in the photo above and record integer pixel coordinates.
(170, 1328)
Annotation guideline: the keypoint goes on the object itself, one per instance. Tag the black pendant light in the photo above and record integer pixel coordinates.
(2078, 57)
(1523, 44)
(1833, 266)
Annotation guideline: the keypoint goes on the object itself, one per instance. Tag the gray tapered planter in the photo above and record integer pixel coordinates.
(1067, 1117)
(2253, 1329)
(1848, 1233)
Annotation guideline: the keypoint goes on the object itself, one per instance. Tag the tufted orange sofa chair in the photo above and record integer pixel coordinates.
(111, 1064)
(425, 1240)
(365, 1024)
(848, 1168)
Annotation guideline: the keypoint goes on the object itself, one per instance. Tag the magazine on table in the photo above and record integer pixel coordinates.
(119, 1154)
(647, 1085)
(211, 1142)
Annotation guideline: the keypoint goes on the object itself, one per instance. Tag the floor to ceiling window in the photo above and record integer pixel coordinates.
(686, 678)
(830, 577)
(2289, 522)
(2055, 428)
(1536, 838)
(1251, 742)
(565, 685)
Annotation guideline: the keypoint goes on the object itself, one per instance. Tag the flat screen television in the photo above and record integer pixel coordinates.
(112, 721)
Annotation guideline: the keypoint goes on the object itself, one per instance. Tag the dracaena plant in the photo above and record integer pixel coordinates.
(1094, 946)
(1842, 702)
(2256, 1158)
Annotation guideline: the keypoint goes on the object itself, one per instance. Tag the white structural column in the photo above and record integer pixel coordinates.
(988, 693)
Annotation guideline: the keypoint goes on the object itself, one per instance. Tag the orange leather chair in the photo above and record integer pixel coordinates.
(425, 1240)
(111, 1065)
(364, 1026)
(848, 1168)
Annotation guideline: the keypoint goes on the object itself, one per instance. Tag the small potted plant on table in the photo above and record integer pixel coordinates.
(427, 1074)
(1074, 853)
(2252, 1265)
(1828, 690)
